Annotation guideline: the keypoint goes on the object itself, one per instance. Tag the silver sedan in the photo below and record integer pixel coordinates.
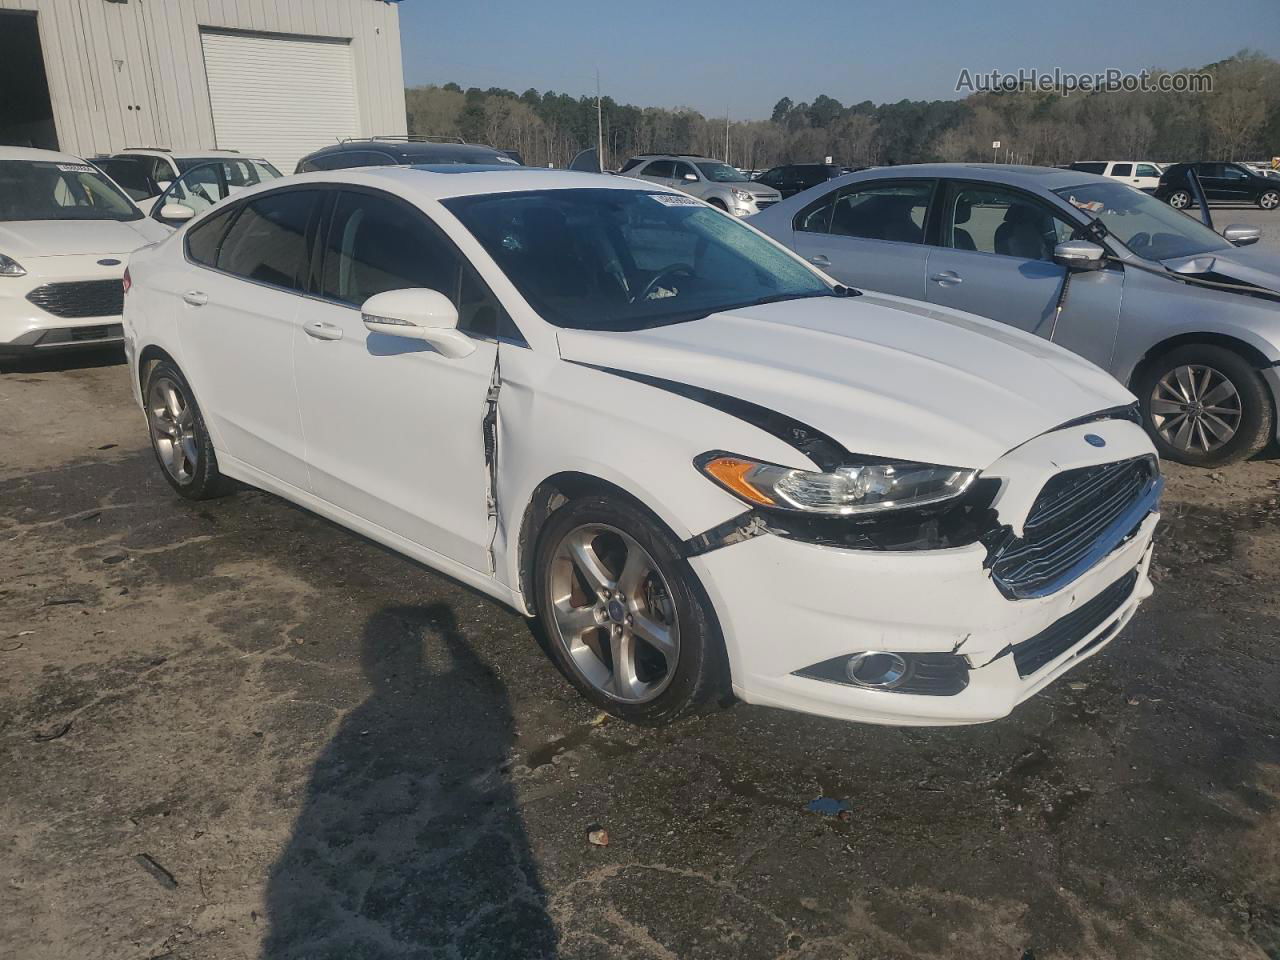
(1183, 316)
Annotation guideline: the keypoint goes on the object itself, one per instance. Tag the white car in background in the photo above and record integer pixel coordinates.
(1143, 174)
(701, 463)
(66, 232)
(146, 172)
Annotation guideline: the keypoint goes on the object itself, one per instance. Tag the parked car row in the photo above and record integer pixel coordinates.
(673, 437)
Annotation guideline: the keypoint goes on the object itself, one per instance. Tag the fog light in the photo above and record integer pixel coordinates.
(875, 669)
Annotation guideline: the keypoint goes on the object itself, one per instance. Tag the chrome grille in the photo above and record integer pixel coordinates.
(1079, 517)
(762, 203)
(80, 298)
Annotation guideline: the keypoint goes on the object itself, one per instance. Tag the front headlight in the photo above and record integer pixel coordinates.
(741, 196)
(847, 491)
(10, 267)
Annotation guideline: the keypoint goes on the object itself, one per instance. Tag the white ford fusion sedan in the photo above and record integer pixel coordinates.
(65, 233)
(700, 464)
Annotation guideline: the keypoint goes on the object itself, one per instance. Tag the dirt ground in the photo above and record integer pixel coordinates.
(233, 730)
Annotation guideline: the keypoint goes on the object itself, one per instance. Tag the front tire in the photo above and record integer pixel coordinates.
(626, 620)
(1269, 200)
(179, 437)
(1205, 405)
(1180, 199)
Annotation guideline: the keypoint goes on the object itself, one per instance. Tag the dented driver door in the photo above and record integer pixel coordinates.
(394, 430)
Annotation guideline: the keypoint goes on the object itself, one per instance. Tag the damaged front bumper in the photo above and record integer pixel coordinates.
(786, 606)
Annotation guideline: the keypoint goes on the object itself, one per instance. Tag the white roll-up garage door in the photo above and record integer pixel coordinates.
(279, 98)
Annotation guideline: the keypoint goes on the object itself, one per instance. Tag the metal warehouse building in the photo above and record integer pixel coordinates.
(271, 78)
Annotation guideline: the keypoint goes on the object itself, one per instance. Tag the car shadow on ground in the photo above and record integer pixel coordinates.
(59, 361)
(410, 842)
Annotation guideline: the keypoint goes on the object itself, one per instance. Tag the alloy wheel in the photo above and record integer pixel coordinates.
(1269, 200)
(173, 432)
(613, 613)
(1180, 200)
(1196, 408)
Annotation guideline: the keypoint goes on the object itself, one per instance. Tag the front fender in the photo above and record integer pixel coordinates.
(1157, 310)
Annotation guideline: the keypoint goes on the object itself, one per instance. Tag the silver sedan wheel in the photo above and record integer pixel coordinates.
(613, 613)
(1196, 408)
(172, 428)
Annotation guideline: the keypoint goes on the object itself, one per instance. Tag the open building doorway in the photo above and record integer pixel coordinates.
(26, 114)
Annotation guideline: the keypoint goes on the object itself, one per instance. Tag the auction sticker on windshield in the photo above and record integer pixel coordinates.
(675, 200)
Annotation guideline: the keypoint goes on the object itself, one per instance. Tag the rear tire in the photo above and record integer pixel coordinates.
(1180, 199)
(625, 618)
(1269, 200)
(1205, 405)
(179, 437)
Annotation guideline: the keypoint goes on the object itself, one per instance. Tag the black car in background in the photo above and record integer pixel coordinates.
(390, 151)
(1223, 182)
(791, 178)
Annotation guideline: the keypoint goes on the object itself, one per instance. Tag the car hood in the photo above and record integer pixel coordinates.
(1261, 268)
(59, 238)
(883, 376)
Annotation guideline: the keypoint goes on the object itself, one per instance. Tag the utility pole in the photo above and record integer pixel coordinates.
(599, 125)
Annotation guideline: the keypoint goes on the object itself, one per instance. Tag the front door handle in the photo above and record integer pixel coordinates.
(323, 331)
(820, 261)
(195, 297)
(948, 278)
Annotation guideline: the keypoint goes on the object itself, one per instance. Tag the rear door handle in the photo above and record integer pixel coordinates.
(323, 331)
(820, 261)
(195, 298)
(948, 278)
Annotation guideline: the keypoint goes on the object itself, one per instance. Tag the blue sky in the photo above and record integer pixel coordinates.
(746, 54)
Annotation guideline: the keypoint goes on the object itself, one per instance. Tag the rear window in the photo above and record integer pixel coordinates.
(1089, 167)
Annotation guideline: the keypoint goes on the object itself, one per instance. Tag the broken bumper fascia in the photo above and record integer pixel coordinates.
(785, 605)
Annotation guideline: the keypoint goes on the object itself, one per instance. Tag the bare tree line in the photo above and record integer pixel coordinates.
(1238, 119)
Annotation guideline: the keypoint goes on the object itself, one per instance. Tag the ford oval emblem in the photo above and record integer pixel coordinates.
(109, 262)
(1094, 440)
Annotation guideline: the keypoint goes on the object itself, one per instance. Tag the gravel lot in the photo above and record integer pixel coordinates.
(233, 730)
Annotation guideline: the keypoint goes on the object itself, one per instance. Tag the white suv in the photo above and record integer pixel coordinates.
(65, 234)
(700, 462)
(145, 173)
(1143, 174)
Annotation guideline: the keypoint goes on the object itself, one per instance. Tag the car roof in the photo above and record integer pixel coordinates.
(676, 156)
(408, 150)
(1012, 174)
(428, 182)
(176, 154)
(31, 153)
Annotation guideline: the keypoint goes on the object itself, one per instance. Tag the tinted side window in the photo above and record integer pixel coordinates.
(682, 170)
(204, 238)
(376, 244)
(771, 178)
(1231, 172)
(1088, 166)
(996, 220)
(1212, 170)
(1122, 170)
(132, 175)
(883, 211)
(659, 168)
(1147, 170)
(330, 161)
(267, 242)
(816, 218)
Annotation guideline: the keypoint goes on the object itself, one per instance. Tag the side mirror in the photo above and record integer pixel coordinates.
(417, 313)
(1241, 234)
(176, 211)
(1079, 255)
(691, 177)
